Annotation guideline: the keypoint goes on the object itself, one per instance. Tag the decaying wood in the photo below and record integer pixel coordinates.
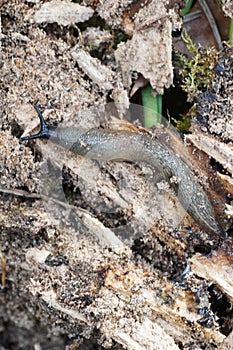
(227, 7)
(154, 300)
(229, 210)
(119, 290)
(227, 343)
(223, 153)
(227, 182)
(152, 25)
(63, 12)
(98, 73)
(217, 269)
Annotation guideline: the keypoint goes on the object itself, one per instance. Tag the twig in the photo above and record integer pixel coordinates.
(191, 16)
(212, 23)
(3, 261)
(20, 193)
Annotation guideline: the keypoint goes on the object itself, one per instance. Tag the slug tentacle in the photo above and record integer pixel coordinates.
(107, 144)
(46, 131)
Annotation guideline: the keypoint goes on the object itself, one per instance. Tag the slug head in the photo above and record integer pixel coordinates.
(46, 131)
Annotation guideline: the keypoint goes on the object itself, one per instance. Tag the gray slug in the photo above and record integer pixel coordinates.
(107, 144)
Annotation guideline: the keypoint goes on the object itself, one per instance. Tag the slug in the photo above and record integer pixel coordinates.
(107, 144)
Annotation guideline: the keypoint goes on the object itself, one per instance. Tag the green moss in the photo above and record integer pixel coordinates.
(118, 37)
(184, 122)
(197, 72)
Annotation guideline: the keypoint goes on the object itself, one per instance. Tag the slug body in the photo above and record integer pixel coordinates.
(106, 144)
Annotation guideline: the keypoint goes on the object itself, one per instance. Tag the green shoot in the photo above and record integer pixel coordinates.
(152, 107)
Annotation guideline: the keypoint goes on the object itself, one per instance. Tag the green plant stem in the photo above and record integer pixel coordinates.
(152, 107)
(187, 8)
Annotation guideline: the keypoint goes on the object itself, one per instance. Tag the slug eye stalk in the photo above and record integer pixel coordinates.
(46, 131)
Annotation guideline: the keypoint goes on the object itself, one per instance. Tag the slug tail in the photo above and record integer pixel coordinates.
(45, 132)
